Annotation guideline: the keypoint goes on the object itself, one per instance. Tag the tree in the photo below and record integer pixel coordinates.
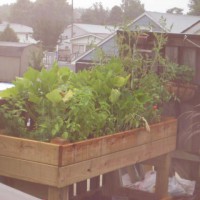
(95, 15)
(8, 35)
(36, 60)
(131, 9)
(194, 7)
(50, 19)
(21, 12)
(115, 16)
(175, 10)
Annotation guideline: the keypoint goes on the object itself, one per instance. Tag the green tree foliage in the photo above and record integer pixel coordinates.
(36, 60)
(115, 16)
(8, 35)
(194, 7)
(95, 15)
(50, 19)
(131, 9)
(175, 10)
(21, 12)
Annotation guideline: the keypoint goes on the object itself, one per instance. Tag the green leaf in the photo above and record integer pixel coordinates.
(68, 96)
(65, 135)
(120, 81)
(114, 96)
(8, 92)
(54, 96)
(34, 98)
(31, 74)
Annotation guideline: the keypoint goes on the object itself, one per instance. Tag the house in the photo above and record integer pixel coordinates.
(14, 59)
(24, 33)
(78, 38)
(167, 22)
(148, 21)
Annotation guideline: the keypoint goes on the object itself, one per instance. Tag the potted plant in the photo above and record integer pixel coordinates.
(180, 81)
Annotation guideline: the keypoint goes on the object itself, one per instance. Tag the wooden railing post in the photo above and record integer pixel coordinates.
(162, 168)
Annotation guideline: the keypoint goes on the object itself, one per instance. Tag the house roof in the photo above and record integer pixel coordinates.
(12, 49)
(18, 28)
(91, 28)
(175, 23)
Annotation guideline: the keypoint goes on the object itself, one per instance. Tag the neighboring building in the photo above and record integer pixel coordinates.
(85, 36)
(167, 22)
(148, 21)
(24, 33)
(14, 59)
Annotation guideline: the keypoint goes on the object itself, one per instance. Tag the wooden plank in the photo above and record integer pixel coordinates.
(171, 53)
(162, 177)
(179, 42)
(136, 194)
(61, 155)
(182, 155)
(29, 150)
(28, 171)
(96, 147)
(80, 151)
(90, 168)
(58, 194)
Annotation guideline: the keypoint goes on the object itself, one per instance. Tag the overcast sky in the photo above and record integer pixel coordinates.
(150, 5)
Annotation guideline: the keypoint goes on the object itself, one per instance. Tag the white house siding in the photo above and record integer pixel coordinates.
(82, 44)
(67, 34)
(26, 38)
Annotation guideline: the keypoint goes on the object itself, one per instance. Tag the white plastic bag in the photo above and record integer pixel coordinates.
(177, 186)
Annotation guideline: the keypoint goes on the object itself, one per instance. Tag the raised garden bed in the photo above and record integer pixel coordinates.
(61, 165)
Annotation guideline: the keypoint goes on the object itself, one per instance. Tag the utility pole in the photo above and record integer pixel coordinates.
(72, 28)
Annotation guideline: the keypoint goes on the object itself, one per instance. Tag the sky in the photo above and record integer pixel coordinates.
(150, 5)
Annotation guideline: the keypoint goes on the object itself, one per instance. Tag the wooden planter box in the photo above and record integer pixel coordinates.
(61, 165)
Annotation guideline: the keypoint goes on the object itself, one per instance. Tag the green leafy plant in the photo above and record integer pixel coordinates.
(118, 95)
(76, 106)
(179, 73)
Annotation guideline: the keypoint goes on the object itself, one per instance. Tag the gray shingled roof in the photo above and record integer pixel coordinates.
(179, 23)
(18, 28)
(12, 49)
(90, 28)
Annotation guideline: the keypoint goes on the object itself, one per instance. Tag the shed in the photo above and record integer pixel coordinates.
(14, 59)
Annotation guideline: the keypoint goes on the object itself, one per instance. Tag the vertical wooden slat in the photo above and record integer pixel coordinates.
(172, 53)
